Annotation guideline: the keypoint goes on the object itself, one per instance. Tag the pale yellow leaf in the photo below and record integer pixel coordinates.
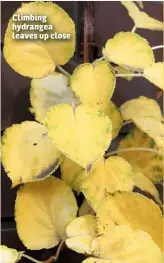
(42, 211)
(83, 133)
(155, 74)
(135, 210)
(28, 154)
(145, 184)
(94, 83)
(125, 245)
(114, 115)
(110, 175)
(81, 232)
(70, 173)
(47, 92)
(140, 18)
(38, 58)
(129, 50)
(9, 255)
(146, 162)
(146, 114)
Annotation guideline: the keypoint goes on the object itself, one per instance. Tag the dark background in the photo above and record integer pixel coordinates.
(109, 18)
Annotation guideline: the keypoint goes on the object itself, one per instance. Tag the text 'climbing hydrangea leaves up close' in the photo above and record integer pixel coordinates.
(43, 210)
(124, 245)
(146, 114)
(40, 57)
(27, 153)
(147, 162)
(81, 232)
(49, 91)
(110, 175)
(129, 50)
(135, 210)
(142, 19)
(83, 133)
(94, 83)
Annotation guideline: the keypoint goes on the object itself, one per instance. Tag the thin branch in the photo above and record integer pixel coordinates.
(126, 122)
(63, 71)
(55, 258)
(132, 149)
(157, 47)
(31, 259)
(134, 29)
(129, 75)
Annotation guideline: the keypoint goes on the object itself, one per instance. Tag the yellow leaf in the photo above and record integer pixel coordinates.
(140, 3)
(145, 184)
(114, 115)
(146, 162)
(70, 173)
(110, 175)
(146, 114)
(38, 58)
(155, 73)
(42, 211)
(140, 18)
(135, 210)
(129, 50)
(81, 232)
(124, 245)
(94, 83)
(9, 255)
(47, 92)
(28, 154)
(83, 134)
(121, 70)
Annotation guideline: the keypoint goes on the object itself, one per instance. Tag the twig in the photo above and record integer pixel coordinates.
(157, 47)
(55, 258)
(126, 122)
(134, 29)
(129, 75)
(63, 71)
(31, 259)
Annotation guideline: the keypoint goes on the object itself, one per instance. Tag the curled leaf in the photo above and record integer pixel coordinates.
(42, 211)
(49, 91)
(94, 83)
(81, 232)
(28, 154)
(146, 114)
(155, 73)
(146, 162)
(129, 50)
(140, 18)
(38, 58)
(83, 133)
(9, 255)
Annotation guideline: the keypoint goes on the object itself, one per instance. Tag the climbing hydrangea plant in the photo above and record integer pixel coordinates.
(75, 123)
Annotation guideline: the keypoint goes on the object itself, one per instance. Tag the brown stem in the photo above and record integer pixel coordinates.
(55, 258)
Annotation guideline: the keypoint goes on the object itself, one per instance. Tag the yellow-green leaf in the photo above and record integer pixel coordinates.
(38, 58)
(49, 91)
(129, 50)
(146, 114)
(146, 162)
(70, 173)
(27, 153)
(110, 175)
(42, 211)
(122, 71)
(82, 133)
(114, 115)
(135, 210)
(94, 83)
(9, 255)
(155, 73)
(81, 232)
(145, 184)
(140, 18)
(124, 245)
